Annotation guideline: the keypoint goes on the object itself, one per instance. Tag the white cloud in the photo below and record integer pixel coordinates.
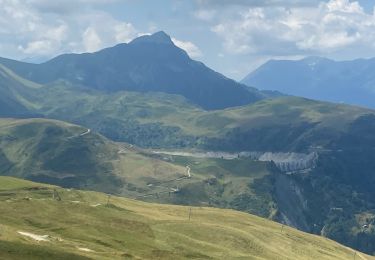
(49, 28)
(41, 47)
(124, 32)
(204, 14)
(257, 3)
(46, 28)
(110, 31)
(344, 6)
(58, 33)
(327, 28)
(189, 47)
(65, 6)
(91, 40)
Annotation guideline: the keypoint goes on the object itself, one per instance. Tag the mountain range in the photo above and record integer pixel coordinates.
(77, 122)
(349, 82)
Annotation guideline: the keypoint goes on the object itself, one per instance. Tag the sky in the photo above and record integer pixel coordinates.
(233, 37)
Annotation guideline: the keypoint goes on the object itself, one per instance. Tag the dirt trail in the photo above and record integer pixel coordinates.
(188, 171)
(84, 249)
(80, 135)
(86, 133)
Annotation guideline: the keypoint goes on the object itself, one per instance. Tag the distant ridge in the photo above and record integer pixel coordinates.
(351, 82)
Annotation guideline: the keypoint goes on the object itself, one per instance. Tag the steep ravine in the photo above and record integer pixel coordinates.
(291, 202)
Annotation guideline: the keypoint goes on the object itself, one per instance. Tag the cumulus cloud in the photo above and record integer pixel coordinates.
(124, 32)
(45, 28)
(40, 47)
(65, 6)
(48, 28)
(189, 47)
(204, 14)
(91, 40)
(344, 6)
(327, 28)
(258, 3)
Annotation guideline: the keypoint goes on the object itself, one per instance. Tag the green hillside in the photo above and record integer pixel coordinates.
(40, 222)
(55, 152)
(283, 124)
(15, 93)
(69, 155)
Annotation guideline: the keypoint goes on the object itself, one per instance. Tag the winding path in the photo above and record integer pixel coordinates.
(86, 133)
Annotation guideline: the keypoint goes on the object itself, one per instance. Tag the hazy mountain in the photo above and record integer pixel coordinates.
(351, 82)
(148, 63)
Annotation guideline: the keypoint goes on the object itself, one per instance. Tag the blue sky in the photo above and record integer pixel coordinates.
(231, 36)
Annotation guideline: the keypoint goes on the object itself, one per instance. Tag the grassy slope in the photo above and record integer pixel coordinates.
(175, 111)
(160, 120)
(57, 152)
(12, 102)
(52, 151)
(281, 124)
(131, 229)
(287, 110)
(226, 183)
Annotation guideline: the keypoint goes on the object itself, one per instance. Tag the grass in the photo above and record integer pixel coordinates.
(53, 152)
(130, 117)
(44, 150)
(4, 71)
(215, 182)
(9, 183)
(137, 230)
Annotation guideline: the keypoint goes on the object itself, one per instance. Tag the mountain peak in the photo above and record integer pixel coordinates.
(159, 37)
